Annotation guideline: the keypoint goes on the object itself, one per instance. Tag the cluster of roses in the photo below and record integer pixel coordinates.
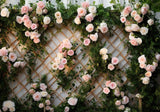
(149, 68)
(40, 94)
(8, 106)
(131, 23)
(8, 56)
(72, 101)
(65, 49)
(113, 85)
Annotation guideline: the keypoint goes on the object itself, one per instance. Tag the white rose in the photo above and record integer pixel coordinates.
(39, 11)
(5, 12)
(77, 20)
(58, 15)
(72, 101)
(44, 93)
(139, 40)
(92, 9)
(54, 66)
(145, 80)
(150, 22)
(103, 51)
(17, 64)
(59, 21)
(46, 20)
(105, 57)
(143, 30)
(135, 27)
(5, 58)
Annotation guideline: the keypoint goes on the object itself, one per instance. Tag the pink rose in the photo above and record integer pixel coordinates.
(61, 67)
(66, 109)
(67, 44)
(142, 65)
(134, 42)
(48, 107)
(33, 26)
(47, 102)
(85, 4)
(24, 9)
(115, 60)
(90, 28)
(34, 85)
(117, 92)
(36, 40)
(148, 74)
(106, 90)
(128, 29)
(72, 101)
(128, 23)
(3, 51)
(124, 13)
(81, 11)
(122, 94)
(41, 4)
(118, 102)
(150, 68)
(86, 42)
(158, 57)
(123, 19)
(41, 105)
(137, 17)
(107, 83)
(12, 57)
(135, 27)
(144, 10)
(70, 52)
(19, 19)
(27, 33)
(28, 23)
(111, 67)
(142, 59)
(31, 91)
(86, 78)
(17, 64)
(140, 20)
(37, 96)
(128, 8)
(121, 107)
(89, 17)
(94, 37)
(103, 27)
(125, 100)
(112, 85)
(64, 61)
(133, 13)
(35, 35)
(43, 86)
(25, 18)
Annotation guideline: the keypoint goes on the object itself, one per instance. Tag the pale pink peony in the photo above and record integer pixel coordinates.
(31, 91)
(90, 28)
(25, 18)
(118, 102)
(41, 4)
(36, 40)
(27, 33)
(86, 42)
(142, 65)
(3, 51)
(125, 100)
(64, 61)
(123, 19)
(12, 57)
(134, 42)
(112, 85)
(94, 37)
(72, 101)
(41, 105)
(81, 11)
(61, 67)
(89, 17)
(107, 83)
(66, 109)
(144, 10)
(85, 4)
(24, 9)
(28, 23)
(47, 102)
(34, 26)
(19, 19)
(106, 90)
(137, 17)
(43, 86)
(135, 27)
(70, 52)
(86, 78)
(142, 59)
(111, 67)
(37, 96)
(148, 74)
(115, 60)
(128, 29)
(133, 13)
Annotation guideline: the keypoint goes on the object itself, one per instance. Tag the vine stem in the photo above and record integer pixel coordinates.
(140, 105)
(44, 109)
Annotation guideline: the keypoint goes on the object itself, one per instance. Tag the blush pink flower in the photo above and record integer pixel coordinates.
(64, 61)
(66, 109)
(19, 19)
(86, 42)
(133, 13)
(137, 17)
(36, 40)
(41, 105)
(103, 27)
(70, 52)
(134, 42)
(125, 100)
(148, 74)
(34, 85)
(34, 26)
(111, 67)
(123, 19)
(89, 17)
(115, 60)
(142, 65)
(47, 102)
(118, 102)
(34, 35)
(17, 64)
(3, 51)
(142, 59)
(135, 27)
(112, 85)
(31, 91)
(150, 68)
(106, 90)
(128, 29)
(24, 9)
(144, 10)
(90, 28)
(94, 37)
(81, 11)
(125, 13)
(28, 23)
(37, 96)
(41, 4)
(85, 4)
(86, 78)
(72, 101)
(27, 33)
(43, 86)
(61, 67)
(12, 57)
(121, 107)
(67, 44)
(128, 8)
(25, 18)
(107, 83)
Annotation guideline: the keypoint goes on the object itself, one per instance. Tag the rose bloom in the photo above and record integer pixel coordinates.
(5, 12)
(89, 17)
(86, 42)
(61, 67)
(46, 20)
(115, 60)
(25, 18)
(117, 92)
(125, 100)
(139, 40)
(45, 11)
(31, 91)
(34, 35)
(58, 15)
(106, 90)
(41, 105)
(85, 4)
(150, 68)
(64, 61)
(107, 83)
(39, 11)
(19, 19)
(124, 13)
(137, 17)
(104, 57)
(67, 44)
(128, 29)
(34, 85)
(8, 104)
(34, 26)
(41, 4)
(103, 27)
(144, 10)
(155, 64)
(24, 9)
(103, 51)
(111, 67)
(86, 78)
(77, 20)
(92, 9)
(145, 80)
(118, 102)
(70, 52)
(123, 19)
(121, 107)
(144, 30)
(36, 40)
(4, 109)
(142, 59)
(12, 57)
(17, 64)
(150, 22)
(135, 27)
(47, 102)
(148, 74)
(27, 33)
(112, 85)
(90, 28)
(59, 21)
(134, 42)
(158, 57)
(131, 36)
(28, 23)
(72, 101)
(81, 12)
(94, 37)
(133, 13)
(54, 66)
(128, 8)
(127, 23)
(140, 20)
(44, 93)
(66, 109)
(43, 86)
(37, 96)
(5, 58)
(3, 51)
(142, 65)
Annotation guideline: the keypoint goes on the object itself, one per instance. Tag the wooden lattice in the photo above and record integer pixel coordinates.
(20, 87)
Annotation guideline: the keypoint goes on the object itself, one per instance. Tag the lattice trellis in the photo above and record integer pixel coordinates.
(20, 87)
